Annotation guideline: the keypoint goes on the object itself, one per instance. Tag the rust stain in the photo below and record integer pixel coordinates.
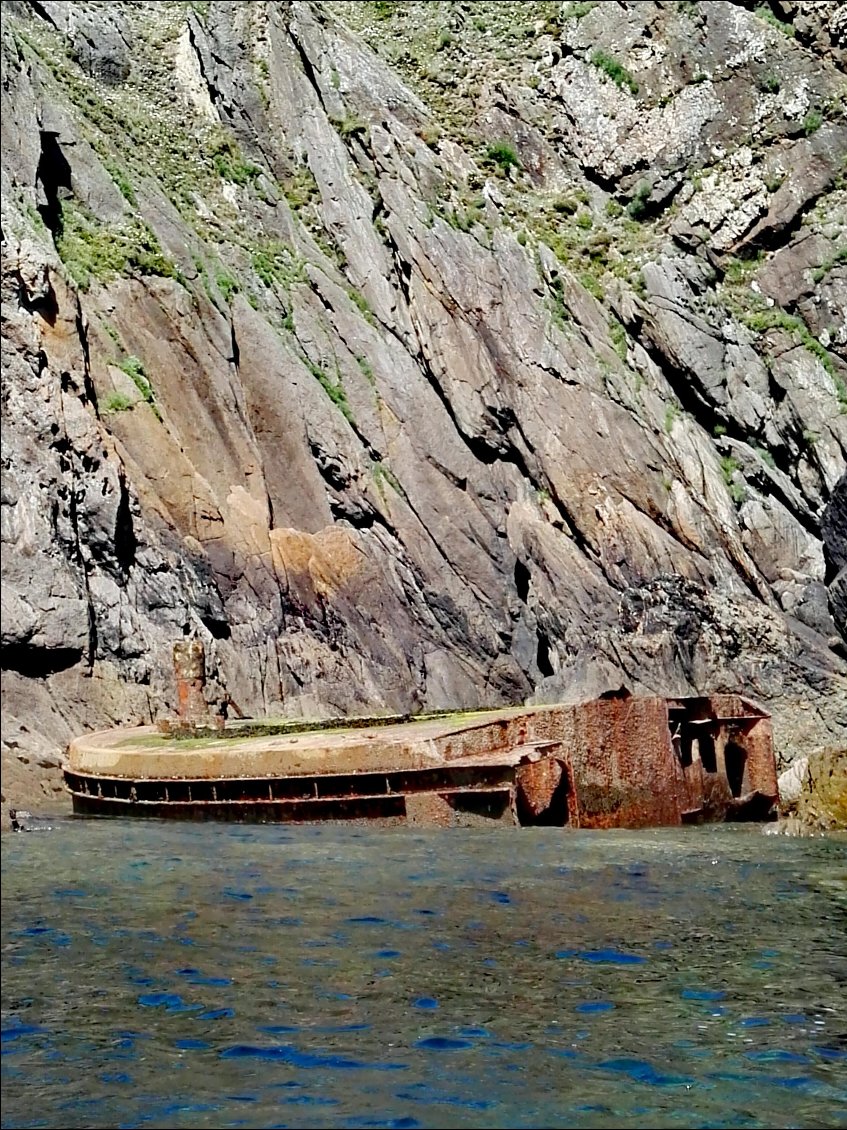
(327, 560)
(537, 782)
(192, 712)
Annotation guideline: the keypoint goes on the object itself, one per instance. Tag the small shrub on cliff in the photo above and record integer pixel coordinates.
(764, 13)
(619, 339)
(121, 179)
(383, 474)
(839, 257)
(565, 205)
(616, 71)
(577, 11)
(37, 220)
(134, 369)
(598, 247)
(729, 467)
(275, 262)
(462, 219)
(351, 126)
(769, 83)
(638, 206)
(775, 319)
(738, 272)
(593, 285)
(503, 155)
(367, 369)
(116, 402)
(333, 389)
(300, 189)
(774, 181)
(239, 172)
(812, 122)
(228, 286)
(91, 250)
(362, 305)
(766, 457)
(558, 305)
(230, 162)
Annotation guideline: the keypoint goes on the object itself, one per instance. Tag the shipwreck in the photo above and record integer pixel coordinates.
(617, 761)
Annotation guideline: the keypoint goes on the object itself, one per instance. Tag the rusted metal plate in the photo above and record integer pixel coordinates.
(463, 809)
(623, 764)
(390, 810)
(537, 783)
(460, 808)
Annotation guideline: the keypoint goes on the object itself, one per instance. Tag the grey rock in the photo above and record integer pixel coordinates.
(100, 38)
(788, 276)
(834, 532)
(791, 782)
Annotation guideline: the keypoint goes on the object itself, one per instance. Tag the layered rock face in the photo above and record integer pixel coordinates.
(813, 794)
(421, 355)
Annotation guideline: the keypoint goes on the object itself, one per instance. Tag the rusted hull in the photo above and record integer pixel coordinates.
(611, 763)
(440, 810)
(456, 807)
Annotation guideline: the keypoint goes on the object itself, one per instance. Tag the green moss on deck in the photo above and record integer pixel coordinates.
(282, 727)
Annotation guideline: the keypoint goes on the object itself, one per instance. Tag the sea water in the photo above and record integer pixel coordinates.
(170, 975)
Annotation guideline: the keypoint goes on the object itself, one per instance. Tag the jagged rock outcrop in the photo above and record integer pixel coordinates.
(496, 359)
(834, 532)
(813, 795)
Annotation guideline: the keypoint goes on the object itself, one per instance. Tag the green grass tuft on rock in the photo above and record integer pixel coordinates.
(616, 71)
(765, 13)
(116, 402)
(503, 155)
(91, 250)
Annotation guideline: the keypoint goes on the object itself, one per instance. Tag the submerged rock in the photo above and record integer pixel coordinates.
(21, 821)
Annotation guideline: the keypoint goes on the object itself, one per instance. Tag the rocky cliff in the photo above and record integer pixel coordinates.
(422, 355)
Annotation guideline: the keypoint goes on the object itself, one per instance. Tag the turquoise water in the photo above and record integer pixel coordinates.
(169, 975)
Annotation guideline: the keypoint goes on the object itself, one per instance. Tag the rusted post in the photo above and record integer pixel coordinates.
(190, 674)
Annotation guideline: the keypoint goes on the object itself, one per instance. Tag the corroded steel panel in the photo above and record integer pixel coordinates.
(537, 783)
(623, 764)
(761, 767)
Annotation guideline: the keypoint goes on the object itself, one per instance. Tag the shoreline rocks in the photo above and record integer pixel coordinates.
(813, 795)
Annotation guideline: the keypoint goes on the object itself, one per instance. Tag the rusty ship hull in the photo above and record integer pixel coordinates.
(612, 762)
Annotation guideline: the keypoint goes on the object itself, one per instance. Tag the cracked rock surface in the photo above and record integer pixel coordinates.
(421, 355)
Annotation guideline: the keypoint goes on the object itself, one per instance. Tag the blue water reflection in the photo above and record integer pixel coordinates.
(503, 978)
